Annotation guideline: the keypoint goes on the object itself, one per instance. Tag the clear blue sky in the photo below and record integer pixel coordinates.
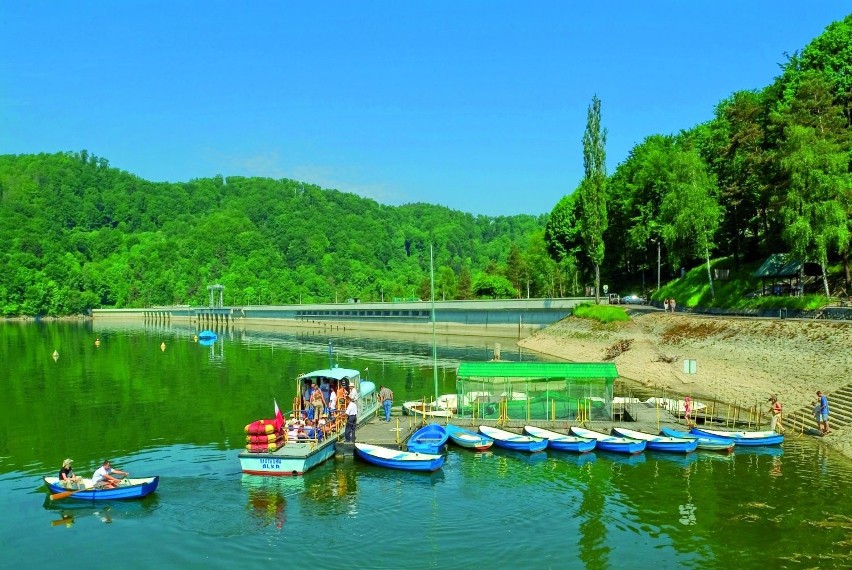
(478, 106)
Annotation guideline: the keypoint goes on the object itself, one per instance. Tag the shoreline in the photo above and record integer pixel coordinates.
(740, 361)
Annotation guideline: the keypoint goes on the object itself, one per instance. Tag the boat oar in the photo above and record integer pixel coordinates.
(64, 520)
(62, 495)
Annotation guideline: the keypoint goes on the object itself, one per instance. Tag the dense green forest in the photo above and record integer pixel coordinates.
(81, 234)
(770, 172)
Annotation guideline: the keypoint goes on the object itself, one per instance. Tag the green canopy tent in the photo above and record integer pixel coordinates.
(535, 390)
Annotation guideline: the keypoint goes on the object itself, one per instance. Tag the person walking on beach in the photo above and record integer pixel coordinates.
(775, 410)
(666, 306)
(687, 410)
(386, 398)
(351, 420)
(672, 304)
(823, 412)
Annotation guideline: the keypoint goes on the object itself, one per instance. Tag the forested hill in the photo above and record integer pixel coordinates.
(79, 234)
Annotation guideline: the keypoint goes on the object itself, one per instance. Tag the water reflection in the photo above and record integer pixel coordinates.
(71, 511)
(267, 497)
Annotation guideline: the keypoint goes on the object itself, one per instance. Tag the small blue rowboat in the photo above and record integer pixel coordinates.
(705, 443)
(431, 438)
(658, 442)
(135, 488)
(207, 335)
(468, 439)
(611, 443)
(743, 438)
(509, 440)
(561, 441)
(394, 459)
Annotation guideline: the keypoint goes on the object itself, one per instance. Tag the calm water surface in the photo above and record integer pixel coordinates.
(179, 413)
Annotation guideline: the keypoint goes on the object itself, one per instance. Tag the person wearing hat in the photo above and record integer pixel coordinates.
(103, 476)
(66, 475)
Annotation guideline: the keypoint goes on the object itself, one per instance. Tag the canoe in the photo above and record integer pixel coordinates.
(207, 335)
(676, 407)
(659, 442)
(509, 440)
(606, 442)
(394, 459)
(135, 488)
(431, 438)
(561, 441)
(743, 438)
(418, 408)
(468, 439)
(705, 443)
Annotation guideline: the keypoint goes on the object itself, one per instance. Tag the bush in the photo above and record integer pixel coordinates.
(602, 313)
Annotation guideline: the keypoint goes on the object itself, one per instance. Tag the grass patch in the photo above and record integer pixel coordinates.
(602, 313)
(736, 292)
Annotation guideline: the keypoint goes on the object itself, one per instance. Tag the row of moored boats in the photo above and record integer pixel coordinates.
(427, 443)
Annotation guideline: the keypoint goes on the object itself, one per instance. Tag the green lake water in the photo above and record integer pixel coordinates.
(179, 413)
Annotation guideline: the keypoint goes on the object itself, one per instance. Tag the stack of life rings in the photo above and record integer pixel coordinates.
(264, 436)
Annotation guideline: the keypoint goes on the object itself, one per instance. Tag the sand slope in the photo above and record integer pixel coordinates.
(739, 361)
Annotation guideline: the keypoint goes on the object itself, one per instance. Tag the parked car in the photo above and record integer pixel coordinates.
(632, 300)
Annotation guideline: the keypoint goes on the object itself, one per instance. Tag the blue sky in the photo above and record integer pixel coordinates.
(478, 106)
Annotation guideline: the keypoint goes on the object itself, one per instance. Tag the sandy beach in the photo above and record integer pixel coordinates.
(738, 361)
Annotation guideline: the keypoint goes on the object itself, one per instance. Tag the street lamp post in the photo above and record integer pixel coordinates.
(657, 241)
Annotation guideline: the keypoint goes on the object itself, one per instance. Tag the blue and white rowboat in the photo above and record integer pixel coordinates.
(395, 459)
(659, 442)
(611, 443)
(561, 441)
(509, 440)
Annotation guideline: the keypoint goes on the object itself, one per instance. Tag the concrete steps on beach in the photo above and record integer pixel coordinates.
(839, 411)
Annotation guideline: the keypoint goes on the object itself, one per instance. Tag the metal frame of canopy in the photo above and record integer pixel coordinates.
(576, 391)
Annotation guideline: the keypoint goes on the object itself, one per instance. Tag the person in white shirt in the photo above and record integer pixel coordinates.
(351, 420)
(103, 476)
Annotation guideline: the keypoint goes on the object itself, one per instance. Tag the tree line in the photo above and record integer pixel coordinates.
(769, 173)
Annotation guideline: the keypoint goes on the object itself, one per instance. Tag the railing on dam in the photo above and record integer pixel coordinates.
(530, 312)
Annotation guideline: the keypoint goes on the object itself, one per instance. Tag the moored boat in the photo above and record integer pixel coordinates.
(395, 459)
(658, 442)
(611, 443)
(296, 456)
(468, 439)
(705, 443)
(676, 407)
(743, 438)
(134, 488)
(509, 440)
(420, 408)
(561, 441)
(430, 438)
(207, 335)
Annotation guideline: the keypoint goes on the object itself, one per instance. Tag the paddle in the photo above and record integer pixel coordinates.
(62, 495)
(64, 520)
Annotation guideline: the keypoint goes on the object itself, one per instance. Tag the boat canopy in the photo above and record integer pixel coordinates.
(335, 373)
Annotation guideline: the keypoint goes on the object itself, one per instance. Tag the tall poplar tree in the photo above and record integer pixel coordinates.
(593, 191)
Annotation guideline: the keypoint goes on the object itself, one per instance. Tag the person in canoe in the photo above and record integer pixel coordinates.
(103, 478)
(66, 475)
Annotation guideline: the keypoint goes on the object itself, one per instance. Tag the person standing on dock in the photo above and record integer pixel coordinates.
(351, 420)
(386, 397)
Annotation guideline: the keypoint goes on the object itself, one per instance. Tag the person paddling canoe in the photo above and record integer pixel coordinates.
(103, 479)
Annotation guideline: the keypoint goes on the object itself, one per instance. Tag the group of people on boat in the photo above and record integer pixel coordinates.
(101, 479)
(322, 409)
